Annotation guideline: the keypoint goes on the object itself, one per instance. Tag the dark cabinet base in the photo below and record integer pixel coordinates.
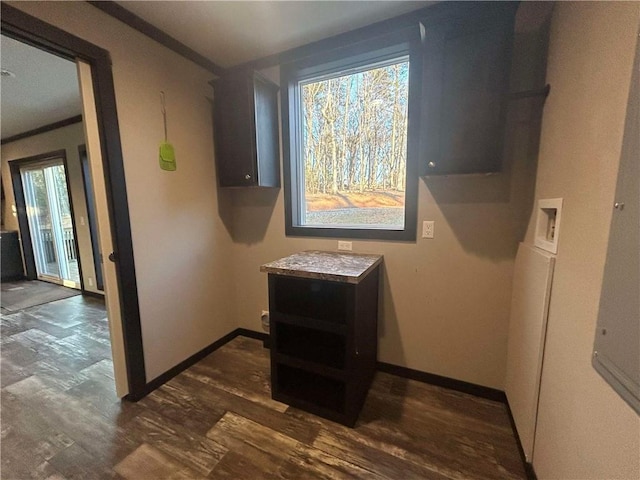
(323, 344)
(11, 265)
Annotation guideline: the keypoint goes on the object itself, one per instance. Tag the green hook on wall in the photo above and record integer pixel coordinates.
(167, 155)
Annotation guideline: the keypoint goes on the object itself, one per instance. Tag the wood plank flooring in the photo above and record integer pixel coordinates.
(61, 418)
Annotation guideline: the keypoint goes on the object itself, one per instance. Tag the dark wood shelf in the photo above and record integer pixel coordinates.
(308, 322)
(330, 372)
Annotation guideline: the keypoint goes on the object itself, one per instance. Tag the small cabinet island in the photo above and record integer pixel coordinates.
(323, 309)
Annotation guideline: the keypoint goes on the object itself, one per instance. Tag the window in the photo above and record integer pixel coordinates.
(349, 141)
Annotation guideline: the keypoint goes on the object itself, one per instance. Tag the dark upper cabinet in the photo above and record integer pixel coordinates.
(466, 67)
(246, 131)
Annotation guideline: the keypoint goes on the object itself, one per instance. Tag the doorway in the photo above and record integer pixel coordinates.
(50, 219)
(105, 156)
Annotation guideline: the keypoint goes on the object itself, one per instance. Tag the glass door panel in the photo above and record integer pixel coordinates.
(38, 213)
(51, 223)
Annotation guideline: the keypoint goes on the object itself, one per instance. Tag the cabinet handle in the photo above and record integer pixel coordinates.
(247, 176)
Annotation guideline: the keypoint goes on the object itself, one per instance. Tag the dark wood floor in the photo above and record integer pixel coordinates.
(61, 417)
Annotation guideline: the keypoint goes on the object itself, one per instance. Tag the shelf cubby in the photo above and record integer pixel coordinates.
(312, 388)
(316, 346)
(318, 299)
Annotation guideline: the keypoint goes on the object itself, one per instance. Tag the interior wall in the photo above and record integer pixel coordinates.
(67, 138)
(445, 301)
(585, 430)
(181, 249)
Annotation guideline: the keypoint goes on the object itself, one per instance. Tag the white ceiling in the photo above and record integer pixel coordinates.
(233, 32)
(43, 91)
(45, 88)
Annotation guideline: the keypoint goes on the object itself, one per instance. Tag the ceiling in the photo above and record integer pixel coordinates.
(44, 90)
(45, 87)
(233, 32)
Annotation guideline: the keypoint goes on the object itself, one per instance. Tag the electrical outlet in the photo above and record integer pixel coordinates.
(345, 246)
(90, 282)
(82, 221)
(427, 229)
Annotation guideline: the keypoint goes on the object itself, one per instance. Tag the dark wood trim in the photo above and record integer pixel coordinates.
(73, 221)
(144, 27)
(43, 129)
(530, 471)
(394, 44)
(263, 337)
(91, 215)
(528, 467)
(25, 28)
(23, 224)
(87, 293)
(253, 334)
(446, 382)
(193, 359)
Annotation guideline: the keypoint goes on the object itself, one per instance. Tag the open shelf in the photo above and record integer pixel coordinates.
(335, 373)
(316, 346)
(311, 388)
(317, 299)
(307, 322)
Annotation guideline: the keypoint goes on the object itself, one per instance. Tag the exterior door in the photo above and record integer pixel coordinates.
(50, 222)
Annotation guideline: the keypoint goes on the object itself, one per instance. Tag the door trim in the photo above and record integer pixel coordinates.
(89, 196)
(25, 28)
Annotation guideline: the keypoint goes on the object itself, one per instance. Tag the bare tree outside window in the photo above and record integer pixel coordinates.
(354, 147)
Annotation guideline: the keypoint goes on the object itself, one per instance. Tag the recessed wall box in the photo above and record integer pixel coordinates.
(548, 218)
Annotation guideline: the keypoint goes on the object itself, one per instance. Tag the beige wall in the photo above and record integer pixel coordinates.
(68, 139)
(445, 302)
(584, 429)
(181, 250)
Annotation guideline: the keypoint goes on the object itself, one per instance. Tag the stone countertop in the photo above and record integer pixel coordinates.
(334, 266)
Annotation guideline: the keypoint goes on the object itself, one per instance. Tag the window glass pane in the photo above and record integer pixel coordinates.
(354, 148)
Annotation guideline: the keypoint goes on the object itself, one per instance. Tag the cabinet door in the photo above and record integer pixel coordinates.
(234, 132)
(265, 97)
(466, 68)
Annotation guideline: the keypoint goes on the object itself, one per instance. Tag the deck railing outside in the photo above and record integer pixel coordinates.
(69, 244)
